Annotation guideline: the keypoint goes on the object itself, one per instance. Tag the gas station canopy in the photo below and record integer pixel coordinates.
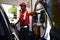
(12, 2)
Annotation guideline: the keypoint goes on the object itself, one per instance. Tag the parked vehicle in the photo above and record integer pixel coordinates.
(6, 32)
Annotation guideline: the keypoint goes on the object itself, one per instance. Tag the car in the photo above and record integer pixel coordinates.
(6, 32)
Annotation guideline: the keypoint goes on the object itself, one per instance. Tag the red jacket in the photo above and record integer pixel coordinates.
(24, 18)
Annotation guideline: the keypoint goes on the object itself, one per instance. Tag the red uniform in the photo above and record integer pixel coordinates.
(24, 18)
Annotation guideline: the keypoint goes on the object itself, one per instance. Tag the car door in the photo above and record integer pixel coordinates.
(5, 26)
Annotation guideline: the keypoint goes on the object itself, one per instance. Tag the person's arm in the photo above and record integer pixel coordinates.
(17, 22)
(35, 6)
(34, 9)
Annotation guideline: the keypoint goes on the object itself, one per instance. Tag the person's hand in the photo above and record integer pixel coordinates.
(36, 2)
(15, 24)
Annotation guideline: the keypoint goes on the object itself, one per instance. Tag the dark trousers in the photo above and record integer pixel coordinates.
(24, 33)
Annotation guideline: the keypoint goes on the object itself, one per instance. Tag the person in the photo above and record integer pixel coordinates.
(38, 9)
(24, 22)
